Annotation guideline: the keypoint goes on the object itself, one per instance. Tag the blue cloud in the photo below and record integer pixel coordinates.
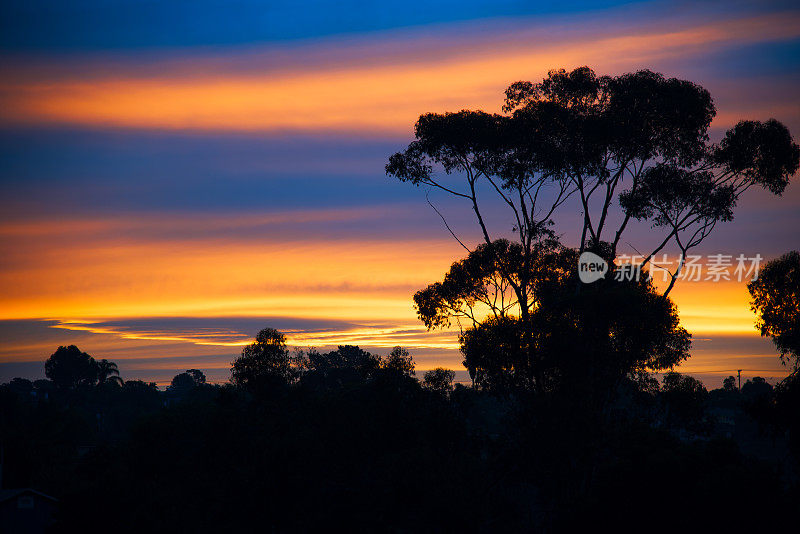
(113, 24)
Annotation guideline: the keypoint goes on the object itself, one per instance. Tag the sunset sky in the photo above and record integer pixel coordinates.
(176, 176)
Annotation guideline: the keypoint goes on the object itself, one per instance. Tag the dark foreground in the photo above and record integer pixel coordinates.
(381, 451)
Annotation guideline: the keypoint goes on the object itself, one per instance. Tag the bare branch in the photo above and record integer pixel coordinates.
(445, 223)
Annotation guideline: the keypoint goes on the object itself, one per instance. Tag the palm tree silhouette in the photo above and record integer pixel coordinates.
(107, 371)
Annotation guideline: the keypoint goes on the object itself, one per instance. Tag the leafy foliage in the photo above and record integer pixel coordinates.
(685, 397)
(776, 300)
(267, 360)
(491, 279)
(108, 372)
(70, 368)
(599, 334)
(183, 382)
(399, 361)
(439, 380)
(639, 139)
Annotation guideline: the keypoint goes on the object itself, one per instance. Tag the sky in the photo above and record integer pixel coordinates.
(175, 176)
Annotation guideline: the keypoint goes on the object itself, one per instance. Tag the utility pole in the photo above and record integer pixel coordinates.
(740, 380)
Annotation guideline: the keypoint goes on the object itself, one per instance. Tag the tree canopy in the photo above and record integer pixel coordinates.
(776, 300)
(399, 361)
(108, 372)
(439, 379)
(265, 360)
(638, 141)
(69, 368)
(625, 149)
(188, 380)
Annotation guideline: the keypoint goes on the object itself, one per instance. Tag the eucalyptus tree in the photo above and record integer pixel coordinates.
(265, 362)
(776, 300)
(628, 149)
(638, 142)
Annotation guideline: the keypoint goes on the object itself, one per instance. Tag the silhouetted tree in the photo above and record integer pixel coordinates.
(399, 361)
(776, 300)
(756, 387)
(182, 381)
(439, 380)
(757, 397)
(729, 384)
(21, 386)
(639, 139)
(486, 281)
(684, 397)
(107, 371)
(70, 368)
(265, 361)
(347, 365)
(591, 339)
(188, 380)
(140, 385)
(197, 375)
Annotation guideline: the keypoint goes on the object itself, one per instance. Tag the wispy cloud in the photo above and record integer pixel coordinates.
(357, 91)
(152, 226)
(201, 331)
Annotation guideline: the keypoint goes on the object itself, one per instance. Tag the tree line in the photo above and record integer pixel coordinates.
(301, 440)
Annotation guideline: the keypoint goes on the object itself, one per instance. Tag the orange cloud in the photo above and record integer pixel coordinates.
(104, 275)
(358, 96)
(193, 222)
(217, 278)
(368, 283)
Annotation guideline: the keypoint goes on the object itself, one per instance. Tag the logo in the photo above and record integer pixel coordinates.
(591, 267)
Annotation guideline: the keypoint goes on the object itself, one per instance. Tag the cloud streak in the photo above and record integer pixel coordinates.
(356, 93)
